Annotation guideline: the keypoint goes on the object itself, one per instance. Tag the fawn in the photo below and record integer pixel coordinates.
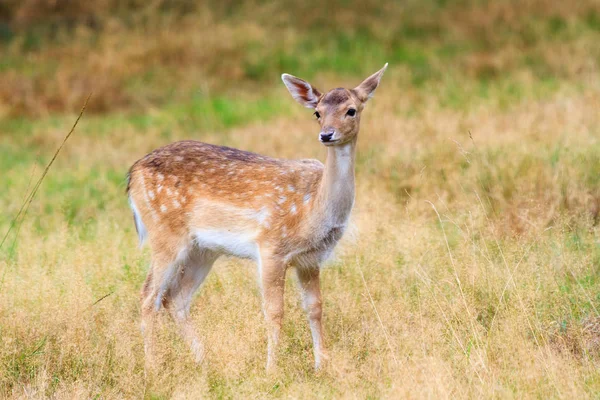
(195, 202)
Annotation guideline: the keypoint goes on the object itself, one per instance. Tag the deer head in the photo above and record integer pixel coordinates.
(337, 111)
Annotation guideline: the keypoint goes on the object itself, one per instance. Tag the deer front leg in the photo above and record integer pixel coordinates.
(310, 286)
(272, 281)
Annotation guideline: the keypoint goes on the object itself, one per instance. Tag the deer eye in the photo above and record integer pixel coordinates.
(351, 112)
(317, 114)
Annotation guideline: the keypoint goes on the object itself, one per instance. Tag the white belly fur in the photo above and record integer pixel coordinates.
(240, 245)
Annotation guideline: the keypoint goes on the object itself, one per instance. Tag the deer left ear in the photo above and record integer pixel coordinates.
(304, 93)
(366, 89)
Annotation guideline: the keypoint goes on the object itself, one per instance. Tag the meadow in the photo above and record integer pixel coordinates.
(472, 268)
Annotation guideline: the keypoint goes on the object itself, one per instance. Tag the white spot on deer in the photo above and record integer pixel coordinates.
(307, 198)
(163, 208)
(291, 188)
(178, 158)
(262, 216)
(231, 173)
(278, 188)
(293, 209)
(281, 199)
(184, 199)
(176, 204)
(169, 192)
(151, 194)
(160, 177)
(159, 188)
(211, 170)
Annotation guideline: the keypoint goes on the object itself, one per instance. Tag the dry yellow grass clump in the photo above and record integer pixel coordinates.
(473, 265)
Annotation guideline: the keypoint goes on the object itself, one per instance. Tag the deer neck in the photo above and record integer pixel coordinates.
(336, 192)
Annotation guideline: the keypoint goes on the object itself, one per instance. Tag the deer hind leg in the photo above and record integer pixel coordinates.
(163, 268)
(147, 324)
(309, 281)
(190, 277)
(272, 277)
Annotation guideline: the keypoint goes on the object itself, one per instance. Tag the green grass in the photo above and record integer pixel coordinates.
(498, 297)
(417, 39)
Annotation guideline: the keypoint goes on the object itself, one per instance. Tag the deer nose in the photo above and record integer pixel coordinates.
(327, 135)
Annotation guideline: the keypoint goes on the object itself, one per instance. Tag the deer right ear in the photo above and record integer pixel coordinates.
(366, 89)
(302, 91)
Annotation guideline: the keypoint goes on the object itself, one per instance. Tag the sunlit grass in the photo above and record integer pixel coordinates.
(517, 214)
(488, 115)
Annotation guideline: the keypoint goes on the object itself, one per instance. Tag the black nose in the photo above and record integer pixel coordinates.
(326, 137)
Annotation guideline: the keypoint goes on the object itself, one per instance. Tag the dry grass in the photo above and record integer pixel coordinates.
(472, 269)
(133, 57)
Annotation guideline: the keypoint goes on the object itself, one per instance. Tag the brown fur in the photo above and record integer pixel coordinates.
(224, 175)
(336, 97)
(198, 201)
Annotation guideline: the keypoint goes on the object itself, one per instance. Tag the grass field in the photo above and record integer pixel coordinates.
(473, 265)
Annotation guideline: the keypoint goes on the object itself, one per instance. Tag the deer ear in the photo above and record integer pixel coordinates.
(302, 91)
(366, 89)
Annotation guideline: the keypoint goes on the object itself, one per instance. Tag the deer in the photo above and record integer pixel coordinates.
(195, 202)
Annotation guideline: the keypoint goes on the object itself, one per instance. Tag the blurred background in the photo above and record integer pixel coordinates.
(477, 207)
(136, 55)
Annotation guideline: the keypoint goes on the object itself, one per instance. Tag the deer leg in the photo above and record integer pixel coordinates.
(190, 277)
(308, 279)
(272, 279)
(147, 325)
(153, 296)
